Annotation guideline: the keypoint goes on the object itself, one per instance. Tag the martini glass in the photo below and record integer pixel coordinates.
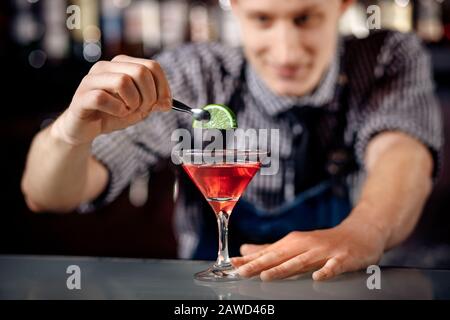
(222, 176)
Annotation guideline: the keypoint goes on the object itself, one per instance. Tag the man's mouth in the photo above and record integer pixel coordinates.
(289, 72)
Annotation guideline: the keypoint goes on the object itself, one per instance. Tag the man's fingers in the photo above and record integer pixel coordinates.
(280, 244)
(265, 261)
(145, 82)
(141, 75)
(112, 123)
(164, 95)
(239, 261)
(299, 264)
(100, 100)
(249, 252)
(117, 84)
(332, 268)
(247, 249)
(100, 67)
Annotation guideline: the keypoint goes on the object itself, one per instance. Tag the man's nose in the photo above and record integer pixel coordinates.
(287, 48)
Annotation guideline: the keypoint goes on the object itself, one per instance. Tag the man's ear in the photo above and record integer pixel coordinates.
(345, 4)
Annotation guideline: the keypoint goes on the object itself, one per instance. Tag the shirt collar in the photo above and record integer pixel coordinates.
(275, 104)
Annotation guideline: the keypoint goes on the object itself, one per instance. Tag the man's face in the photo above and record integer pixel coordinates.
(290, 43)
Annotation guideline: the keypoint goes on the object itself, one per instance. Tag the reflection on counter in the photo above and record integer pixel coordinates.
(395, 284)
(44, 277)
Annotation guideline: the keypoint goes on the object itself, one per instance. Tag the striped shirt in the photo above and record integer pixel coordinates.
(389, 83)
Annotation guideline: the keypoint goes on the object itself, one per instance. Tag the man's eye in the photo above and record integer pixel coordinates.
(301, 20)
(306, 20)
(262, 19)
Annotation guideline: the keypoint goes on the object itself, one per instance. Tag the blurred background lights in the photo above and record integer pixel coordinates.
(225, 4)
(354, 22)
(37, 58)
(92, 51)
(402, 3)
(122, 3)
(27, 29)
(91, 34)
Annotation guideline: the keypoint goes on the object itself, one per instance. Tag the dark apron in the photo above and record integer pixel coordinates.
(322, 199)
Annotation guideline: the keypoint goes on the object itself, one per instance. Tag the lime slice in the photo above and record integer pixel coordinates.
(222, 117)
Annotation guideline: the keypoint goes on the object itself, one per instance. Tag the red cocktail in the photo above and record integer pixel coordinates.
(222, 184)
(222, 177)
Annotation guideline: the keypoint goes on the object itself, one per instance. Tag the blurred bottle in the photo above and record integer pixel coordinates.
(204, 22)
(397, 15)
(28, 30)
(429, 20)
(151, 27)
(132, 28)
(26, 25)
(56, 40)
(112, 28)
(446, 19)
(87, 38)
(229, 28)
(354, 21)
(174, 22)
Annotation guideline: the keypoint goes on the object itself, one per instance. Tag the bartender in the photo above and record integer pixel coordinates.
(360, 137)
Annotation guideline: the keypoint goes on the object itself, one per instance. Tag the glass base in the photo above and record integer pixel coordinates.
(219, 274)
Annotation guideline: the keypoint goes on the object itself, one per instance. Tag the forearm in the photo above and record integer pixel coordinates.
(397, 186)
(56, 176)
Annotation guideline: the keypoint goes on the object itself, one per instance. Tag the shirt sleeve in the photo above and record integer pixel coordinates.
(132, 151)
(402, 98)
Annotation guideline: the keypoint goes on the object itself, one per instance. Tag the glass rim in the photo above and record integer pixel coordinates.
(220, 156)
(223, 151)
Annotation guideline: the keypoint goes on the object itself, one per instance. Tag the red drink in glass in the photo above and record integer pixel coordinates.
(222, 184)
(222, 176)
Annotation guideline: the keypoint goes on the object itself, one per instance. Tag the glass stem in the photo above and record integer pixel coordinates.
(223, 259)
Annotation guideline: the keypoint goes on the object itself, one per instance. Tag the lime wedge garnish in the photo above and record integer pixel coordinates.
(222, 117)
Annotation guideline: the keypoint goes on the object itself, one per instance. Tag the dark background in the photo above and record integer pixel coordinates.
(36, 91)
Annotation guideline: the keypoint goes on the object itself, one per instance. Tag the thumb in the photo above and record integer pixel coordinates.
(247, 249)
